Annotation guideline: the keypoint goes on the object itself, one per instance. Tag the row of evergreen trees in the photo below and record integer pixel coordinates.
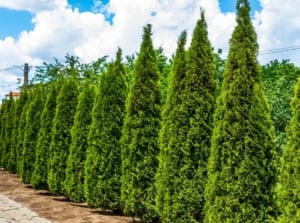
(198, 158)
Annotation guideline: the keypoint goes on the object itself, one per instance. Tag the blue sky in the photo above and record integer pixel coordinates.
(36, 31)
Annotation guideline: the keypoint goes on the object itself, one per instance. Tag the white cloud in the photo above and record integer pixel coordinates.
(59, 29)
(33, 6)
(278, 26)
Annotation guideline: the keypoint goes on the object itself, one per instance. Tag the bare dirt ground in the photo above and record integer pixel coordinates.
(54, 208)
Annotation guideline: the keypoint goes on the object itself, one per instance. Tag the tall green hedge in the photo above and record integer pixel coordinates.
(140, 134)
(289, 180)
(61, 135)
(243, 162)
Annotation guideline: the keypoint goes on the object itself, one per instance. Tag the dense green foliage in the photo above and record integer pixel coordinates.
(289, 180)
(140, 134)
(279, 79)
(12, 160)
(242, 165)
(103, 164)
(21, 131)
(170, 138)
(33, 120)
(61, 135)
(6, 131)
(189, 111)
(40, 172)
(198, 160)
(74, 181)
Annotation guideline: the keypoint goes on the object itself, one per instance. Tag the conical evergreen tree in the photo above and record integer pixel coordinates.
(140, 134)
(186, 131)
(289, 180)
(7, 130)
(2, 127)
(12, 162)
(113, 94)
(74, 181)
(21, 130)
(42, 154)
(33, 121)
(170, 114)
(61, 135)
(243, 161)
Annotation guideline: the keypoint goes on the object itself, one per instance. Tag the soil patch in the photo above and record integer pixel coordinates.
(53, 208)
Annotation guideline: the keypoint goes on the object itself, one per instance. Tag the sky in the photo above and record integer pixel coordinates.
(37, 31)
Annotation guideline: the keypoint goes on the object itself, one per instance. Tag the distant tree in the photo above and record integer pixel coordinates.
(279, 79)
(42, 154)
(289, 179)
(74, 181)
(186, 131)
(140, 134)
(12, 161)
(243, 161)
(61, 133)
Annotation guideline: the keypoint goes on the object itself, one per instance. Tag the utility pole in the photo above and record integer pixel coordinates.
(26, 71)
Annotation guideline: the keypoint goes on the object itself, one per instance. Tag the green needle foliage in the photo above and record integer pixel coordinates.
(40, 172)
(12, 161)
(186, 131)
(113, 94)
(170, 134)
(61, 135)
(140, 134)
(2, 128)
(33, 122)
(103, 165)
(243, 161)
(74, 181)
(21, 131)
(91, 170)
(289, 180)
(8, 117)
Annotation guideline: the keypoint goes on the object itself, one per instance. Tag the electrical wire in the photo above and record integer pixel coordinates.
(279, 50)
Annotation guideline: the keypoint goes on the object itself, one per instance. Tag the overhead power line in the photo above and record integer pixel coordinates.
(279, 50)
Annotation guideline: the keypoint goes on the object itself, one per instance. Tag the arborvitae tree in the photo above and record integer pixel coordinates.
(289, 179)
(243, 161)
(12, 161)
(170, 129)
(140, 134)
(2, 126)
(42, 154)
(61, 135)
(21, 129)
(33, 121)
(112, 97)
(186, 131)
(9, 133)
(74, 181)
(7, 122)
